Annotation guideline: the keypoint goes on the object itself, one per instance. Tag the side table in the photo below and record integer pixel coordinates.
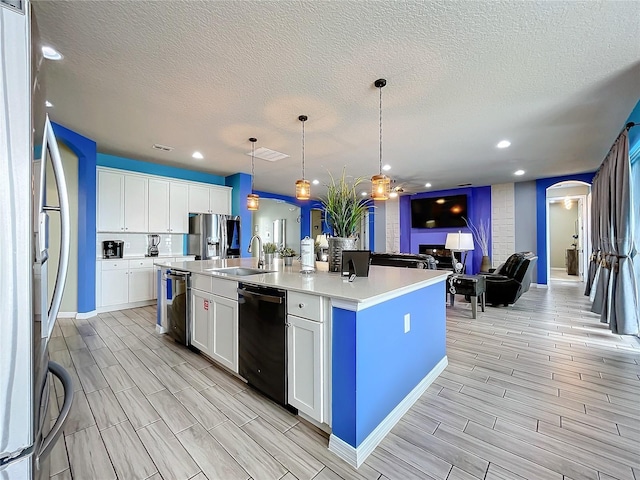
(472, 285)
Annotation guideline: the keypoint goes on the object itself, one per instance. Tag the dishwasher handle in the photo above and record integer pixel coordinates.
(175, 275)
(263, 297)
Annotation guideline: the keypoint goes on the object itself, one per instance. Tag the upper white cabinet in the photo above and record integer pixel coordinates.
(123, 204)
(168, 206)
(209, 199)
(137, 203)
(110, 202)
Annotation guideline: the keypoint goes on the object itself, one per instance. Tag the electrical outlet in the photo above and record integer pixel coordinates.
(407, 322)
(127, 245)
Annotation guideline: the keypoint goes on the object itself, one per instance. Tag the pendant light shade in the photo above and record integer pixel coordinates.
(380, 184)
(253, 200)
(303, 187)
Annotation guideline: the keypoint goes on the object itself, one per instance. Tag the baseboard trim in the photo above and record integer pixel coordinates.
(83, 315)
(67, 314)
(540, 285)
(125, 306)
(355, 456)
(160, 329)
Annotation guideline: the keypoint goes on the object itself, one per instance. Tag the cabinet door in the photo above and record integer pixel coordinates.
(179, 208)
(136, 204)
(225, 332)
(220, 200)
(115, 287)
(201, 320)
(140, 284)
(305, 365)
(110, 202)
(198, 199)
(159, 206)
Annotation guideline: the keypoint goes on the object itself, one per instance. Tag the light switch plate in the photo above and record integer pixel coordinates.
(407, 322)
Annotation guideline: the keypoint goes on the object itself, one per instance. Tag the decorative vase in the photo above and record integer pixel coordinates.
(268, 258)
(336, 246)
(288, 261)
(485, 265)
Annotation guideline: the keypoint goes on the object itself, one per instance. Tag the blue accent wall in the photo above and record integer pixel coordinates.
(241, 185)
(478, 208)
(139, 166)
(375, 365)
(541, 216)
(85, 150)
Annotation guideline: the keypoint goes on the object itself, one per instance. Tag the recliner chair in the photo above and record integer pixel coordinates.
(511, 279)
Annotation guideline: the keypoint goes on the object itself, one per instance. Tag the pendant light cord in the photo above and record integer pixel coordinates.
(303, 150)
(380, 88)
(253, 153)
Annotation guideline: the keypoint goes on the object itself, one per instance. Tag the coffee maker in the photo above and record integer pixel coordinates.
(153, 242)
(112, 248)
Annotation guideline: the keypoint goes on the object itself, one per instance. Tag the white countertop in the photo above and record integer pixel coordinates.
(382, 284)
(139, 257)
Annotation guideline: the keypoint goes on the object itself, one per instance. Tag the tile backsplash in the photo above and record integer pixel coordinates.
(135, 244)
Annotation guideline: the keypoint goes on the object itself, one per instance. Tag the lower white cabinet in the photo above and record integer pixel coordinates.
(305, 366)
(115, 285)
(214, 327)
(126, 281)
(141, 282)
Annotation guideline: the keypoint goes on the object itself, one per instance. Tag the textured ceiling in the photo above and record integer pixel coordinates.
(558, 79)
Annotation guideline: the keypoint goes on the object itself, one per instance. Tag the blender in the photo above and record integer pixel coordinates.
(152, 249)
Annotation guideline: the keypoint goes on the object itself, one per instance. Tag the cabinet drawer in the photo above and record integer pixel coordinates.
(224, 288)
(305, 305)
(201, 282)
(141, 263)
(115, 265)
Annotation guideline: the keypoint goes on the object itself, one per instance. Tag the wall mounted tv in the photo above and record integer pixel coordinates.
(439, 212)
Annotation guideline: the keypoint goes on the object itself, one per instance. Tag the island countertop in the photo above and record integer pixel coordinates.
(382, 283)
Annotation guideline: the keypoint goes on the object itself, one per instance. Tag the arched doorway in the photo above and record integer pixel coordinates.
(568, 227)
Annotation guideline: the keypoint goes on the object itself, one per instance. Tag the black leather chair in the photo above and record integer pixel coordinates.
(407, 260)
(511, 279)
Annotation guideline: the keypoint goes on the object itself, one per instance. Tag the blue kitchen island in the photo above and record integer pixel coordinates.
(384, 343)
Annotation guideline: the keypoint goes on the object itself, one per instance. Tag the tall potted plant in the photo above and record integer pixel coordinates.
(344, 210)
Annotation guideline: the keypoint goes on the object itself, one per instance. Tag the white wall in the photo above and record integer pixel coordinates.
(503, 222)
(562, 225)
(271, 210)
(70, 165)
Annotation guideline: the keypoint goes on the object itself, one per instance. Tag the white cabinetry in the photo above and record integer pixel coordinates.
(214, 319)
(168, 206)
(306, 362)
(122, 202)
(209, 199)
(141, 280)
(126, 281)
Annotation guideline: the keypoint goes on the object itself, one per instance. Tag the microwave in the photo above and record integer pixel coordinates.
(112, 249)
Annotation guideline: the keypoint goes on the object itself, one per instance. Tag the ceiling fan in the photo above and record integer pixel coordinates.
(400, 186)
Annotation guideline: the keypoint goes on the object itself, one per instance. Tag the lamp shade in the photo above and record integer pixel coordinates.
(459, 242)
(322, 241)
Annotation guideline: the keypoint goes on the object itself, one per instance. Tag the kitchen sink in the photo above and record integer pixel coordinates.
(239, 271)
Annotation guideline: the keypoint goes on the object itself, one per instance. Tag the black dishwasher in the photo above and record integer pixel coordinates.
(262, 339)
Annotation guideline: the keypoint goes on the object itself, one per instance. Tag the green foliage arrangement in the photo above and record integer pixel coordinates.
(287, 252)
(269, 247)
(344, 207)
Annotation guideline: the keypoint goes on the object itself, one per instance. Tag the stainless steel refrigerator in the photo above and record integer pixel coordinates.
(27, 317)
(213, 236)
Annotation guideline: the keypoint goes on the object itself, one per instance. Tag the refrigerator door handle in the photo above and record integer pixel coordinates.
(50, 440)
(51, 144)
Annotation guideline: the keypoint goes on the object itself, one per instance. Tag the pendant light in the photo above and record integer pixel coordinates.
(380, 184)
(303, 187)
(253, 200)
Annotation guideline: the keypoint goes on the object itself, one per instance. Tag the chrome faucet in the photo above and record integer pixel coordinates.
(260, 251)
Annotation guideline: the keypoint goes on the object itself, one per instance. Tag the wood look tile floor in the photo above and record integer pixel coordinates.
(537, 390)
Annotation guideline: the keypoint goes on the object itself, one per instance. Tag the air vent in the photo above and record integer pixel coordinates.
(163, 148)
(465, 184)
(15, 4)
(268, 155)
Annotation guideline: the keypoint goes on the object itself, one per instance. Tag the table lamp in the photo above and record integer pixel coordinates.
(323, 246)
(459, 242)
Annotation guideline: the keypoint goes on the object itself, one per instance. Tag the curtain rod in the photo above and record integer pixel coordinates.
(627, 127)
(631, 125)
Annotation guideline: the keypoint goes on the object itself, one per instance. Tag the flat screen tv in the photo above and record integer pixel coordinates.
(439, 212)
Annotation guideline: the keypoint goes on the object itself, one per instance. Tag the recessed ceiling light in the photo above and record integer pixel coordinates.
(519, 172)
(51, 53)
(428, 185)
(440, 201)
(503, 144)
(48, 104)
(364, 194)
(197, 155)
(386, 167)
(316, 181)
